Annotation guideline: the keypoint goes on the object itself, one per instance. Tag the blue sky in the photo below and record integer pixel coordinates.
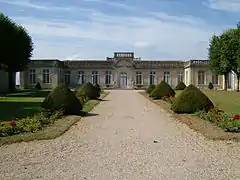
(94, 29)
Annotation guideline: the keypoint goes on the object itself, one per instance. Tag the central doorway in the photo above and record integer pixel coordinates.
(123, 80)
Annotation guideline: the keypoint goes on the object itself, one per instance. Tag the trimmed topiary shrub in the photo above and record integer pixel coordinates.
(89, 90)
(62, 98)
(150, 88)
(97, 87)
(210, 86)
(162, 90)
(180, 86)
(191, 100)
(38, 86)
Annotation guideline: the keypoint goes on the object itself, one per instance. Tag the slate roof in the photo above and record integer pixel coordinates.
(158, 64)
(110, 64)
(89, 64)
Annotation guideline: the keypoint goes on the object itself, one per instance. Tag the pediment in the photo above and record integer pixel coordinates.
(124, 63)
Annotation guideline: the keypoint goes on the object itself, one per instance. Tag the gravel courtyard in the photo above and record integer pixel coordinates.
(127, 137)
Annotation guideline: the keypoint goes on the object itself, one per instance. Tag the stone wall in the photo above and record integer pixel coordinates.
(53, 77)
(58, 70)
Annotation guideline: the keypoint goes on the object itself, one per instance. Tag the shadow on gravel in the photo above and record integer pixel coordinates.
(91, 114)
(103, 100)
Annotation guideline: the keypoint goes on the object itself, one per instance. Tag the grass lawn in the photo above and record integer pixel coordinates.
(22, 104)
(226, 100)
(52, 131)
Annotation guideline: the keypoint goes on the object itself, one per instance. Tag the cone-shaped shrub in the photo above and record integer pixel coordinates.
(62, 98)
(38, 86)
(210, 86)
(89, 91)
(180, 86)
(150, 88)
(191, 100)
(162, 90)
(97, 87)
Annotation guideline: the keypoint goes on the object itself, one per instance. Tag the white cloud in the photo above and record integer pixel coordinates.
(157, 35)
(112, 3)
(43, 7)
(225, 5)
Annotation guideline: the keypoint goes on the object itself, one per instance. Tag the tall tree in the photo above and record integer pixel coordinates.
(16, 48)
(235, 51)
(219, 56)
(214, 55)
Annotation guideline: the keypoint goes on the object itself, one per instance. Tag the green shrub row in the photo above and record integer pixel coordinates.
(61, 101)
(70, 102)
(190, 100)
(193, 101)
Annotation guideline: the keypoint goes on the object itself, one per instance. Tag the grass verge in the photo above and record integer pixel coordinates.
(55, 130)
(207, 129)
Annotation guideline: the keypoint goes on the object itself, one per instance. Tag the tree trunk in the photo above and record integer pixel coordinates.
(11, 82)
(225, 82)
(238, 76)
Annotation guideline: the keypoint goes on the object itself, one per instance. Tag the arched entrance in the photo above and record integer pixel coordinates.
(123, 80)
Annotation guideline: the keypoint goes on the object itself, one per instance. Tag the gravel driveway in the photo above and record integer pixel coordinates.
(128, 138)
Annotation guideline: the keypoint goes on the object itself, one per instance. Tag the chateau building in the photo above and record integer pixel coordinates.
(123, 70)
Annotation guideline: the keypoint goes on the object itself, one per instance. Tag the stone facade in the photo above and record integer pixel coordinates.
(122, 70)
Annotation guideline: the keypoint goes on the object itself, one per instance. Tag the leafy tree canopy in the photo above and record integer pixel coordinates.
(15, 43)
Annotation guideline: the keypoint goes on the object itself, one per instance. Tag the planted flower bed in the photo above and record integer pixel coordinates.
(223, 120)
(29, 124)
(215, 115)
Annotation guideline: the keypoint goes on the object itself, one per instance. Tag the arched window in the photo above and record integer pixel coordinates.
(201, 77)
(139, 78)
(67, 77)
(166, 77)
(108, 77)
(180, 76)
(95, 77)
(152, 78)
(81, 77)
(215, 79)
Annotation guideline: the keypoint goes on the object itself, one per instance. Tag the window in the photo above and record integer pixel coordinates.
(108, 76)
(229, 82)
(186, 77)
(166, 77)
(152, 77)
(67, 77)
(95, 77)
(46, 76)
(180, 77)
(138, 77)
(32, 76)
(201, 77)
(215, 79)
(81, 77)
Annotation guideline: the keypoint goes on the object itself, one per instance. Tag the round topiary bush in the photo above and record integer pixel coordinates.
(180, 86)
(38, 86)
(150, 88)
(89, 90)
(210, 86)
(62, 98)
(162, 90)
(191, 100)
